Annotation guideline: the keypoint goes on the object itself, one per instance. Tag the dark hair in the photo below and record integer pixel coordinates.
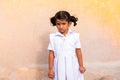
(63, 15)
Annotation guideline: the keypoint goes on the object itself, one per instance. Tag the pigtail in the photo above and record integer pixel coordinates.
(53, 21)
(74, 20)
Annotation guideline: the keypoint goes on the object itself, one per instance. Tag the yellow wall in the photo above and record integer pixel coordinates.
(25, 26)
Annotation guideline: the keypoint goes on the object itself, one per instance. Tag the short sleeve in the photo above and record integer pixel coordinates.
(50, 45)
(77, 43)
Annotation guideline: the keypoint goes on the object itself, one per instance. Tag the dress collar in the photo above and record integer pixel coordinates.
(59, 34)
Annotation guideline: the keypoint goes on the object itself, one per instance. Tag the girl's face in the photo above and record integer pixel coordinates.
(62, 26)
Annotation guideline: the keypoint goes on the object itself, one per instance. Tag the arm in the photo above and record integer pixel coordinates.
(80, 59)
(51, 59)
(51, 63)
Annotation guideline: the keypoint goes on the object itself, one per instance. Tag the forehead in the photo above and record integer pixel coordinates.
(61, 21)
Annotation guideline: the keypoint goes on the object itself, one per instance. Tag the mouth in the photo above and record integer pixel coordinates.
(60, 30)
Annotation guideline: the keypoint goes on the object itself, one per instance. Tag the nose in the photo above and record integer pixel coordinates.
(61, 26)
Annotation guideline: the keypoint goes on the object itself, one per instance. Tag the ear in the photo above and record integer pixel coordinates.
(70, 23)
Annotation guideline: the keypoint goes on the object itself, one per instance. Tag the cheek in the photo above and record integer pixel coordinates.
(67, 26)
(59, 28)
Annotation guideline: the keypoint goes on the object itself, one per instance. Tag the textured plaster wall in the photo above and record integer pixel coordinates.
(25, 28)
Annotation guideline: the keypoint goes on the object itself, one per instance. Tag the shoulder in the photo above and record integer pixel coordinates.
(76, 34)
(52, 35)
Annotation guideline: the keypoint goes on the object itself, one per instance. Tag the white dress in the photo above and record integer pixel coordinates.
(66, 65)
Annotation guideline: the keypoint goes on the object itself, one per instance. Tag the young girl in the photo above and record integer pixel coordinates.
(65, 56)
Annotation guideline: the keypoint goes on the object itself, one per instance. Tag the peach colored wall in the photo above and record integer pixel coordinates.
(25, 26)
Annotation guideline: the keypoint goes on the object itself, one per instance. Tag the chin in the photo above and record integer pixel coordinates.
(61, 31)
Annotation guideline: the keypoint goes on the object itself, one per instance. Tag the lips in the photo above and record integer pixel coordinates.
(61, 30)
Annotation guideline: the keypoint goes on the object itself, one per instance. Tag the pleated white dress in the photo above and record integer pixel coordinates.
(66, 65)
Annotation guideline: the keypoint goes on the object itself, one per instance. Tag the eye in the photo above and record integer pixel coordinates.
(57, 23)
(63, 23)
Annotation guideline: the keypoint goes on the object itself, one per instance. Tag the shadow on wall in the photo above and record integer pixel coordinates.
(42, 54)
(34, 72)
